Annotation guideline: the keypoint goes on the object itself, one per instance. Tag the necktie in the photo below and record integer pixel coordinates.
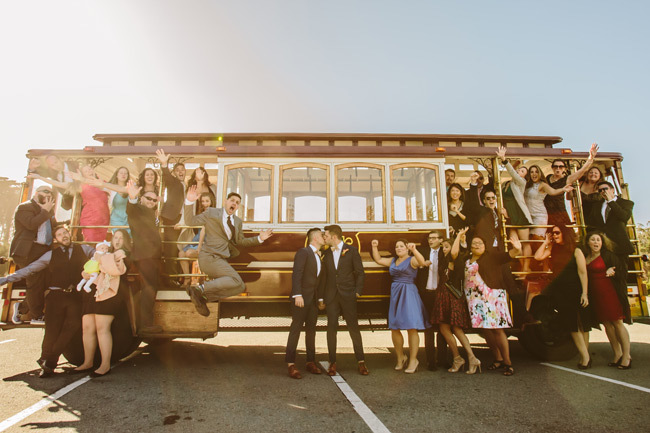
(607, 210)
(231, 226)
(66, 251)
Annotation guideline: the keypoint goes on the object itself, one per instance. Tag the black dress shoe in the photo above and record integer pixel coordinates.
(199, 301)
(584, 367)
(95, 374)
(45, 374)
(43, 364)
(625, 367)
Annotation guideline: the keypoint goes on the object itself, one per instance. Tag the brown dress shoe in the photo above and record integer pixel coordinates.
(313, 368)
(363, 370)
(294, 373)
(332, 370)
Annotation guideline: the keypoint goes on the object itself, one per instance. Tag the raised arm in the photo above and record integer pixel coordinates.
(548, 189)
(53, 182)
(455, 248)
(544, 250)
(418, 259)
(375, 254)
(585, 167)
(515, 249)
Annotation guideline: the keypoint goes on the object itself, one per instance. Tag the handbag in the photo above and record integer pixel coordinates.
(454, 290)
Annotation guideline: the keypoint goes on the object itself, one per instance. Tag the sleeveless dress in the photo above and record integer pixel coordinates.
(516, 216)
(488, 308)
(94, 212)
(447, 308)
(565, 291)
(555, 204)
(602, 293)
(535, 202)
(118, 212)
(406, 310)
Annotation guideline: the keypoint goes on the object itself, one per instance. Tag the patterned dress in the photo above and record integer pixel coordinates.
(448, 308)
(488, 308)
(406, 310)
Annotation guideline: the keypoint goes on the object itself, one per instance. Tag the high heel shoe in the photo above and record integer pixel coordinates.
(496, 365)
(459, 364)
(473, 365)
(625, 367)
(615, 363)
(413, 370)
(584, 367)
(401, 365)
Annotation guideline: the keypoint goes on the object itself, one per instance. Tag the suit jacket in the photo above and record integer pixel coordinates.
(615, 227)
(172, 208)
(304, 280)
(146, 237)
(423, 273)
(346, 280)
(216, 240)
(485, 227)
(27, 219)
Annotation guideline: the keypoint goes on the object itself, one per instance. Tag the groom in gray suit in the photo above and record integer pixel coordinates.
(223, 234)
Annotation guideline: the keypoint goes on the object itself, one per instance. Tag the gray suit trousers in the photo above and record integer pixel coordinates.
(224, 282)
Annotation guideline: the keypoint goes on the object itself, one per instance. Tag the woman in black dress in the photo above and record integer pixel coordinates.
(100, 306)
(568, 291)
(458, 217)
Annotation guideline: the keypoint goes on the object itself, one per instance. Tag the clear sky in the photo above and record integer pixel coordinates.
(577, 69)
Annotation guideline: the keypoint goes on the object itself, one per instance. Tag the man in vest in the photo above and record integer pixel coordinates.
(63, 265)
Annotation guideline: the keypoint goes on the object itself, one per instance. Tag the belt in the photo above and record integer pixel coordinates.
(68, 289)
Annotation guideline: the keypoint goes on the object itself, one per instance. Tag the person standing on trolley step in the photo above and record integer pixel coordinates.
(307, 273)
(33, 224)
(342, 285)
(223, 234)
(147, 250)
(63, 266)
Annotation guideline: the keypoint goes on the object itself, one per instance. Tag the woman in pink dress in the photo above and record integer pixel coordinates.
(94, 201)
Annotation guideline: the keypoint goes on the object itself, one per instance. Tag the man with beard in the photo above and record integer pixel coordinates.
(63, 266)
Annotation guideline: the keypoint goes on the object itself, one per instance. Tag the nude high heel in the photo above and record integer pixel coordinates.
(473, 365)
(413, 370)
(459, 364)
(401, 365)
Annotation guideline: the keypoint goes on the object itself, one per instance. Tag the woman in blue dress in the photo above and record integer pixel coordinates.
(406, 309)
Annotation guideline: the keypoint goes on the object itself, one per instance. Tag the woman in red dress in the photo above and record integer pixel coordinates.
(608, 296)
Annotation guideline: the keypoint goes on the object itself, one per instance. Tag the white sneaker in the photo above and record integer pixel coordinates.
(15, 316)
(39, 321)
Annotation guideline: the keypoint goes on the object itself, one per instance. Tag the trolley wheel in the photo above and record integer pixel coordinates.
(124, 343)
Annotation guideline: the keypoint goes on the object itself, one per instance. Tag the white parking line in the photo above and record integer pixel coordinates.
(7, 341)
(593, 376)
(4, 425)
(375, 425)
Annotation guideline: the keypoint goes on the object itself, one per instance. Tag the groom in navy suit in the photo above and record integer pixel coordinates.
(342, 285)
(307, 271)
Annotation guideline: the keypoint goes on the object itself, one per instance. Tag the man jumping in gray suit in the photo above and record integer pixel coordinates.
(223, 234)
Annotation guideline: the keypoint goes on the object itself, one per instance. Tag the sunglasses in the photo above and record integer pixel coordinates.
(558, 166)
(603, 189)
(555, 232)
(490, 198)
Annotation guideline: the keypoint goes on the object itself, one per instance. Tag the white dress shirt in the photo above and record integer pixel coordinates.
(432, 281)
(337, 254)
(225, 217)
(603, 209)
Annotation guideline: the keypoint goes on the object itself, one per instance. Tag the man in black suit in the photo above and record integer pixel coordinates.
(342, 285)
(170, 214)
(611, 218)
(304, 286)
(147, 250)
(33, 224)
(427, 282)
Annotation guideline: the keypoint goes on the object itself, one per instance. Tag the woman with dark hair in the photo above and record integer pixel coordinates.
(94, 201)
(568, 291)
(118, 197)
(450, 307)
(103, 303)
(589, 192)
(455, 202)
(406, 309)
(148, 181)
(608, 295)
(201, 179)
(486, 295)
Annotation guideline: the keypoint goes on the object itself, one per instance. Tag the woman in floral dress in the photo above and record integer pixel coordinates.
(486, 296)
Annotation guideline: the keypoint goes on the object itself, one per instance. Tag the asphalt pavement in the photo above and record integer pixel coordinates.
(237, 382)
